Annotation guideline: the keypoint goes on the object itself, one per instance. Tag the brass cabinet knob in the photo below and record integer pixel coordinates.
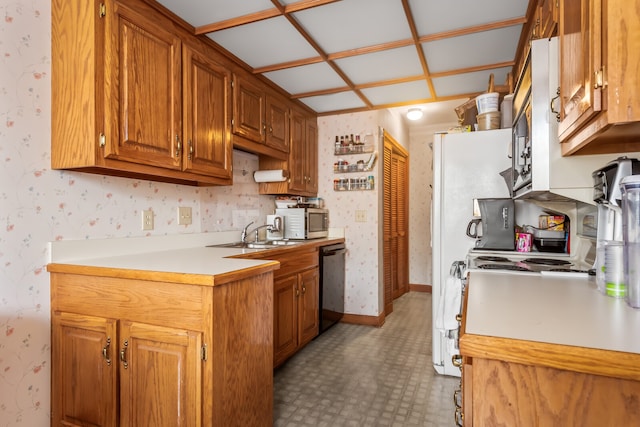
(456, 360)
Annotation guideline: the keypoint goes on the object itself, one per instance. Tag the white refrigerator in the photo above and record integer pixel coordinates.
(466, 166)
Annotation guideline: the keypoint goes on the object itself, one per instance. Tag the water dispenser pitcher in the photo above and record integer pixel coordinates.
(630, 188)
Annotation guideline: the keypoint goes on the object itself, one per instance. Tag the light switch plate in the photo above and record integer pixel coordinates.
(361, 216)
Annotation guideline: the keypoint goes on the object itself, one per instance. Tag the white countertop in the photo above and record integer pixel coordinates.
(550, 309)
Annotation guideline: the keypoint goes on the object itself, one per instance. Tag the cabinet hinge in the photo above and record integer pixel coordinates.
(102, 10)
(600, 78)
(102, 140)
(204, 353)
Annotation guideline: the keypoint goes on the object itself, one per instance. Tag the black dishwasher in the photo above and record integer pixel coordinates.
(331, 284)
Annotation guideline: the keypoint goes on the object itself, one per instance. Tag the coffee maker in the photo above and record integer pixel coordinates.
(494, 229)
(607, 195)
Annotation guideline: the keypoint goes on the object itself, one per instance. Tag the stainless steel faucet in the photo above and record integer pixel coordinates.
(243, 236)
(276, 226)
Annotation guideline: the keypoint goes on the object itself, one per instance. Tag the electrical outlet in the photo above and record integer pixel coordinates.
(361, 216)
(147, 219)
(184, 216)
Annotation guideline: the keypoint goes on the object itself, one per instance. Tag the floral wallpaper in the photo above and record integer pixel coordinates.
(38, 205)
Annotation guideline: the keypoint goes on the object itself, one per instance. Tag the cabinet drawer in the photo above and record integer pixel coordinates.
(295, 261)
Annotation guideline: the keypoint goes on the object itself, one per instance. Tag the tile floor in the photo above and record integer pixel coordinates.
(357, 376)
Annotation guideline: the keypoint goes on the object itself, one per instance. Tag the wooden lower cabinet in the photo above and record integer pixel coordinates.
(130, 352)
(296, 303)
(500, 393)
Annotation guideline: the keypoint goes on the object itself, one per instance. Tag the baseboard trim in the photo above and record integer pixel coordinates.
(420, 288)
(360, 319)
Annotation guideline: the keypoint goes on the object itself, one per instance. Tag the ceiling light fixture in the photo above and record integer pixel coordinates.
(414, 114)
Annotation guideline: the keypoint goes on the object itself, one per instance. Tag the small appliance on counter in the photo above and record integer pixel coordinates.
(276, 231)
(497, 221)
(609, 242)
(305, 222)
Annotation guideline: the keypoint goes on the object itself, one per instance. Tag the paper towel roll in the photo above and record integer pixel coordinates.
(277, 175)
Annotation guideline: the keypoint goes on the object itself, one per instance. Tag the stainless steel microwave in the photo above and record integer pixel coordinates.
(305, 223)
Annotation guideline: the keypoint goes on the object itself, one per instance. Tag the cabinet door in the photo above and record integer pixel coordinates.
(277, 135)
(308, 306)
(248, 110)
(160, 376)
(311, 136)
(84, 370)
(580, 59)
(285, 331)
(142, 75)
(207, 135)
(297, 160)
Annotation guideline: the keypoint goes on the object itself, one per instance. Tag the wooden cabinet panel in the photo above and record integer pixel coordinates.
(143, 76)
(308, 315)
(248, 109)
(84, 379)
(599, 64)
(277, 132)
(285, 333)
(159, 364)
(311, 156)
(297, 153)
(207, 99)
(580, 57)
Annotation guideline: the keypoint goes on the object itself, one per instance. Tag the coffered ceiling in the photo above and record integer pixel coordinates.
(340, 56)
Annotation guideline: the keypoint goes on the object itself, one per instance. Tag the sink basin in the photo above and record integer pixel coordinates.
(257, 245)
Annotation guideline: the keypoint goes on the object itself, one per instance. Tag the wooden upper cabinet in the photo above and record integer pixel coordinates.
(599, 64)
(260, 116)
(143, 79)
(311, 156)
(118, 104)
(248, 109)
(208, 147)
(277, 132)
(297, 154)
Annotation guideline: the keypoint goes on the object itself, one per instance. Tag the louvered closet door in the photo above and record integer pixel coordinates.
(402, 224)
(387, 219)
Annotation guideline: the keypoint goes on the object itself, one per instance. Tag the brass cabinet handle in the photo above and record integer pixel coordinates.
(178, 146)
(123, 354)
(459, 417)
(190, 155)
(456, 398)
(304, 289)
(297, 292)
(456, 360)
(105, 352)
(459, 317)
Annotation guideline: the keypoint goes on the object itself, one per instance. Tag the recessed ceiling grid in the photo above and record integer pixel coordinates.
(341, 56)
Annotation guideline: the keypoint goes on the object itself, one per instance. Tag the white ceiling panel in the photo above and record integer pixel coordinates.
(202, 12)
(469, 82)
(385, 65)
(343, 46)
(266, 42)
(487, 47)
(350, 24)
(334, 102)
(392, 94)
(306, 78)
(439, 16)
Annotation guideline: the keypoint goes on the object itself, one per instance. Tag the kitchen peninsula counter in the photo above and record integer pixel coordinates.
(547, 350)
(163, 319)
(201, 264)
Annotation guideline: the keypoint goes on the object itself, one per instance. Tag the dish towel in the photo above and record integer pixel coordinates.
(449, 304)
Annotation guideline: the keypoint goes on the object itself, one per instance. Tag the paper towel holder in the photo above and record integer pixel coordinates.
(284, 174)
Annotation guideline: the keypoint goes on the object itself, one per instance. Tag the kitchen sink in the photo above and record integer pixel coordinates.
(268, 244)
